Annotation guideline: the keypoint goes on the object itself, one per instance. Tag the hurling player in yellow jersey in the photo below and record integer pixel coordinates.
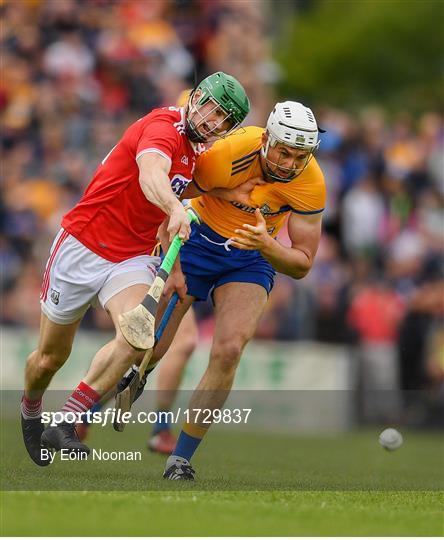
(233, 253)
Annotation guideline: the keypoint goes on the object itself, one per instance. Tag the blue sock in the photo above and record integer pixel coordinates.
(186, 445)
(162, 423)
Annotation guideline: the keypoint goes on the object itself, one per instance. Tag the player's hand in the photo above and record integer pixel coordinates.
(179, 223)
(242, 193)
(252, 237)
(175, 283)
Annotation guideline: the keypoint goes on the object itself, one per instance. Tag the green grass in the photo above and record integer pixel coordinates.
(226, 513)
(247, 484)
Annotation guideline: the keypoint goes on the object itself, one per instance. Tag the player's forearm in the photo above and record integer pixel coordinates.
(290, 261)
(163, 238)
(157, 189)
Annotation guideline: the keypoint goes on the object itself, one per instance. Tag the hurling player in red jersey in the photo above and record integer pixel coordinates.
(101, 253)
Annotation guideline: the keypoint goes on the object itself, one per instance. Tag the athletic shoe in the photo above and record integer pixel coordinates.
(32, 429)
(64, 437)
(162, 442)
(178, 468)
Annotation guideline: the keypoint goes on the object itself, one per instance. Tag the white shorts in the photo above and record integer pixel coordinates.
(76, 278)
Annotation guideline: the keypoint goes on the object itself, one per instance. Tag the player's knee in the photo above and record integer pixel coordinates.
(50, 360)
(124, 350)
(225, 355)
(189, 344)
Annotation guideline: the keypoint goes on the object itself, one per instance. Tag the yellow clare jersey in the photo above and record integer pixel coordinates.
(236, 159)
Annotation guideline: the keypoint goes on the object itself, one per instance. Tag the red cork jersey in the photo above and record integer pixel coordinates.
(113, 218)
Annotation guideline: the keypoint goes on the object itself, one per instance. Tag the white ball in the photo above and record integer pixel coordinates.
(390, 439)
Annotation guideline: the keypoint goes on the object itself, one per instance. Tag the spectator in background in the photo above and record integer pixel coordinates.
(374, 314)
(362, 215)
(328, 283)
(421, 354)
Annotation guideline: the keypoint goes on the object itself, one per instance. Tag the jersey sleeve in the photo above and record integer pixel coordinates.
(213, 167)
(161, 137)
(307, 194)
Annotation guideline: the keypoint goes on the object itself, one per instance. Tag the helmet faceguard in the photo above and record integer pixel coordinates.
(293, 125)
(227, 96)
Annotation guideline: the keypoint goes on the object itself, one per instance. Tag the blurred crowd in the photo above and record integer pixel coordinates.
(76, 73)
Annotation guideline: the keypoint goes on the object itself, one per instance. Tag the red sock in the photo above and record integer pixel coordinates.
(31, 408)
(81, 400)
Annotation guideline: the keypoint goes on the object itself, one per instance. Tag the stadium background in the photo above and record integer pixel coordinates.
(368, 318)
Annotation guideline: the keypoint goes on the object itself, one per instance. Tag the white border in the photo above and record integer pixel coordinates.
(155, 151)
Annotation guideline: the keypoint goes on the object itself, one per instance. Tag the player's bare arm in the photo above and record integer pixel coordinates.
(156, 187)
(295, 261)
(176, 280)
(240, 193)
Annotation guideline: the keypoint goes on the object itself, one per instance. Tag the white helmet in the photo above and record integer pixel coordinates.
(294, 125)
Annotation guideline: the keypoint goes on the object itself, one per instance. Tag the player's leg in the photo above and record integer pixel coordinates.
(238, 307)
(53, 350)
(66, 293)
(169, 375)
(107, 367)
(114, 358)
(119, 287)
(115, 307)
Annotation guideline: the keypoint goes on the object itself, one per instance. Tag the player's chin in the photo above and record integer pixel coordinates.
(284, 175)
(207, 134)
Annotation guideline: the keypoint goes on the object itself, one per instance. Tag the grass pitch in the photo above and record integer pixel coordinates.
(222, 513)
(247, 484)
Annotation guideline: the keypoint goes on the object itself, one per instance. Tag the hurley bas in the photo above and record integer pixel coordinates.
(96, 455)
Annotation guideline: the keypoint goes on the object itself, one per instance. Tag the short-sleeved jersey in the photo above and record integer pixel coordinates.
(236, 159)
(113, 218)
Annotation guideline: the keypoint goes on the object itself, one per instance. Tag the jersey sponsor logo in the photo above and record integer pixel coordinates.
(55, 296)
(178, 184)
(266, 211)
(184, 160)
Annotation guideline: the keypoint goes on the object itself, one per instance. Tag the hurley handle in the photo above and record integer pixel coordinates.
(176, 244)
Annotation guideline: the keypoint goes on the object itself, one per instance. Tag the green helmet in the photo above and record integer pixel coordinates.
(227, 93)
